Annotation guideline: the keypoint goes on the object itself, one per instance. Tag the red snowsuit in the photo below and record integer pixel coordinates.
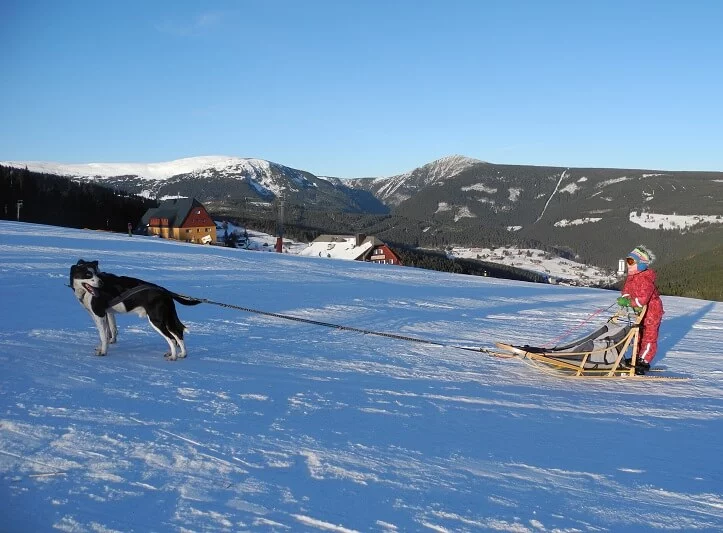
(640, 288)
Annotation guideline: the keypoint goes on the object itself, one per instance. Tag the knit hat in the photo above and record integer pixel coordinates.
(642, 256)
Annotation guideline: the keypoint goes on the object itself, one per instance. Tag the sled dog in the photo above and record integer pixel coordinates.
(103, 294)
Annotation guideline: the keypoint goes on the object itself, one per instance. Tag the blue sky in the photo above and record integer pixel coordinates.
(371, 88)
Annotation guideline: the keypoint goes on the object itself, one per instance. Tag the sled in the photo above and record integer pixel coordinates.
(601, 354)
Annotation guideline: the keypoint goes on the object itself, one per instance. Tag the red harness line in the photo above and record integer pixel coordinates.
(553, 342)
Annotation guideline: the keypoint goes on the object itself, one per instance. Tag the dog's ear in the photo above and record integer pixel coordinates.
(73, 269)
(95, 264)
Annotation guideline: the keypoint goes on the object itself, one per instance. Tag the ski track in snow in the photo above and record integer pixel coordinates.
(285, 426)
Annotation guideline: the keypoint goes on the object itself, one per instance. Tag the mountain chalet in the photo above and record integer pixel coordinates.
(351, 247)
(181, 219)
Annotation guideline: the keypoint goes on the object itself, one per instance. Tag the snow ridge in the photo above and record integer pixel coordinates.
(152, 171)
(393, 189)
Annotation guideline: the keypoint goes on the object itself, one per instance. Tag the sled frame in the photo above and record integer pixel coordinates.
(575, 366)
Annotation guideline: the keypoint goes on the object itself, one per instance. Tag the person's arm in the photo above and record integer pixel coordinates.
(642, 292)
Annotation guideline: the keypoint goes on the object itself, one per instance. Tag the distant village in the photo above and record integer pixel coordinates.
(187, 220)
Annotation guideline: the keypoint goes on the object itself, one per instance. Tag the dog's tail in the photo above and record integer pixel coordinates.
(185, 300)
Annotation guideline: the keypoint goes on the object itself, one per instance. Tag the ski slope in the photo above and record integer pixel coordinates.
(276, 425)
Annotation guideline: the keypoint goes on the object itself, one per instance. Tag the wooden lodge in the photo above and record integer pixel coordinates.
(181, 219)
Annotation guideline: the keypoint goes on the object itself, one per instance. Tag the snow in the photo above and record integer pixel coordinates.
(514, 194)
(343, 247)
(463, 212)
(480, 187)
(672, 222)
(611, 182)
(570, 189)
(587, 220)
(279, 425)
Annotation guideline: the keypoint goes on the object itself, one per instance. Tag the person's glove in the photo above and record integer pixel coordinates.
(637, 310)
(624, 301)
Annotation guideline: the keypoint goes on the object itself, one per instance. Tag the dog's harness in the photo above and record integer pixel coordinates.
(135, 290)
(125, 295)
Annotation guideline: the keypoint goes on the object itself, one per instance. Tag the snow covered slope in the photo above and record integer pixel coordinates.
(557, 269)
(276, 425)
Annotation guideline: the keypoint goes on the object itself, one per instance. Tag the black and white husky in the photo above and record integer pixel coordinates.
(104, 294)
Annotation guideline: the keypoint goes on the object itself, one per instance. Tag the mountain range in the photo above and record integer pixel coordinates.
(592, 214)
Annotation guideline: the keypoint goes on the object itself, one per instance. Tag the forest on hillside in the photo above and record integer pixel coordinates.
(56, 200)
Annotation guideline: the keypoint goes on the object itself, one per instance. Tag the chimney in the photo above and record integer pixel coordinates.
(360, 238)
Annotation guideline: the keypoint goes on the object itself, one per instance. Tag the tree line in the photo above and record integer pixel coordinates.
(48, 199)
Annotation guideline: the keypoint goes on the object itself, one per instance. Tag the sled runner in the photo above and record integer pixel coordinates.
(601, 354)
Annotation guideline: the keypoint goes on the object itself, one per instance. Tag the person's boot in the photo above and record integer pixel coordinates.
(641, 367)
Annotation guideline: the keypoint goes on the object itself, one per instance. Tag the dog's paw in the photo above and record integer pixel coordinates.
(169, 357)
(99, 352)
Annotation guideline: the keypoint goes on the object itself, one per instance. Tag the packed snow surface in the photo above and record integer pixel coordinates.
(279, 425)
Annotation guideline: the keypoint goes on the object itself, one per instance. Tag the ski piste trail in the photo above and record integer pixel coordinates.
(557, 186)
(275, 425)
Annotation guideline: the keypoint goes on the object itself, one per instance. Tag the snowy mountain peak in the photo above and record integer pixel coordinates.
(396, 189)
(263, 178)
(151, 171)
(451, 165)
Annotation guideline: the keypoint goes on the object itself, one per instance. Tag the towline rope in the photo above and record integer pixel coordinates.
(344, 328)
(568, 332)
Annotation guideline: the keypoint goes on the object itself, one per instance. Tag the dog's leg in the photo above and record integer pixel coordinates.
(106, 328)
(176, 328)
(102, 325)
(102, 348)
(112, 327)
(171, 356)
(181, 345)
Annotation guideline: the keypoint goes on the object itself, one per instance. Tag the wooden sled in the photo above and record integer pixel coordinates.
(601, 354)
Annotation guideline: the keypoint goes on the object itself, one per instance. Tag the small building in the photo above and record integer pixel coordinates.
(182, 219)
(351, 247)
(622, 268)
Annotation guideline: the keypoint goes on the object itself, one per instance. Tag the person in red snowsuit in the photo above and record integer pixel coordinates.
(640, 290)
